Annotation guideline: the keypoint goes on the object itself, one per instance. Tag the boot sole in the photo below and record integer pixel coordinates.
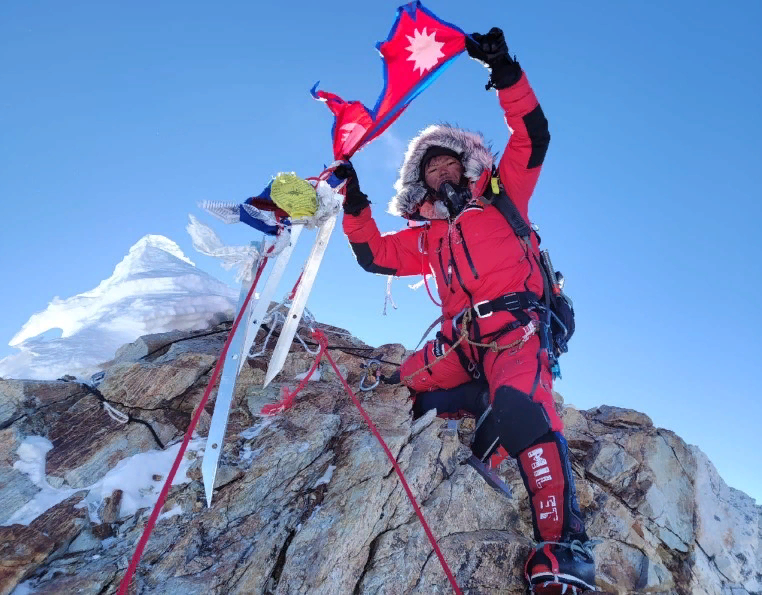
(546, 579)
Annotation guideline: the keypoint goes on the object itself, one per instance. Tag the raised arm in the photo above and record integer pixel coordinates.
(523, 157)
(390, 254)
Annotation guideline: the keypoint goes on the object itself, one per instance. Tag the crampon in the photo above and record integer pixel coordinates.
(556, 568)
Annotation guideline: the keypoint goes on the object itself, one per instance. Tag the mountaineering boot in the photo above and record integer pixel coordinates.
(561, 567)
(562, 561)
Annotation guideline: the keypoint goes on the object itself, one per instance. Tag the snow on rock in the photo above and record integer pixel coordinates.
(25, 588)
(154, 289)
(326, 477)
(174, 511)
(139, 477)
(31, 453)
(254, 431)
(32, 457)
(314, 378)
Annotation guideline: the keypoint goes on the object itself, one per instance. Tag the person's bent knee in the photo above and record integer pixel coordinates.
(515, 421)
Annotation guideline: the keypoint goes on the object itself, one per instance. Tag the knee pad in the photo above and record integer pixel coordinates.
(515, 422)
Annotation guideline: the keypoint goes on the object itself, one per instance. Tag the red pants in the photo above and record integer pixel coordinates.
(513, 425)
(516, 368)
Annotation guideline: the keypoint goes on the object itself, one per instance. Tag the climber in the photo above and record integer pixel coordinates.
(490, 284)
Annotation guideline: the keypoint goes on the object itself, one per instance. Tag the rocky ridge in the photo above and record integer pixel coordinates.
(307, 501)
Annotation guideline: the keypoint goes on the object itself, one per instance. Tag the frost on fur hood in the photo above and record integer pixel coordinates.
(476, 157)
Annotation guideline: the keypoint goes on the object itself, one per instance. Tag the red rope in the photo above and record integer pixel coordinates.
(124, 585)
(288, 398)
(396, 466)
(287, 402)
(426, 283)
(423, 266)
(296, 286)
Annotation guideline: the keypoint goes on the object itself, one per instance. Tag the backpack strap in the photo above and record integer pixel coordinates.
(508, 209)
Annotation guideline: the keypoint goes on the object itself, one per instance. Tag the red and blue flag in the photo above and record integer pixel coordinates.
(419, 47)
(417, 50)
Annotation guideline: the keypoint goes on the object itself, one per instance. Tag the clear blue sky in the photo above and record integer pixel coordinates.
(117, 118)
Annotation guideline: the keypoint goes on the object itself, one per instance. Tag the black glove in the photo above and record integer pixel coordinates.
(492, 51)
(356, 200)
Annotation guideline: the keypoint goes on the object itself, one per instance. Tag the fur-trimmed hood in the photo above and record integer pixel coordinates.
(476, 157)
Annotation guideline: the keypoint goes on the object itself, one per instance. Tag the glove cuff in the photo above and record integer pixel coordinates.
(505, 73)
(355, 206)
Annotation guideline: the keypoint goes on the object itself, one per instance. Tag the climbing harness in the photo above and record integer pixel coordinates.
(466, 318)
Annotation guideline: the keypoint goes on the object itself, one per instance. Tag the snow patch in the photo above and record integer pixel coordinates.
(326, 478)
(31, 453)
(133, 475)
(25, 588)
(254, 431)
(174, 511)
(247, 454)
(314, 378)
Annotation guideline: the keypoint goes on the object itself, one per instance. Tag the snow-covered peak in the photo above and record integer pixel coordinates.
(154, 289)
(149, 253)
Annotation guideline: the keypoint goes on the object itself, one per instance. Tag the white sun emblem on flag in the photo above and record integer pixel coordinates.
(424, 50)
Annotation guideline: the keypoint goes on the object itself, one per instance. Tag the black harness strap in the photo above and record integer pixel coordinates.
(515, 303)
(495, 335)
(507, 209)
(466, 363)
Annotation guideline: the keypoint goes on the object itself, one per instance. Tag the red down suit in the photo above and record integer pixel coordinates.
(476, 256)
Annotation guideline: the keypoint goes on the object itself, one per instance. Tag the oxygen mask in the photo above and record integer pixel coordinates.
(454, 196)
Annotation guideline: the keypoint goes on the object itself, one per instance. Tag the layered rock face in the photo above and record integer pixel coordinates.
(307, 501)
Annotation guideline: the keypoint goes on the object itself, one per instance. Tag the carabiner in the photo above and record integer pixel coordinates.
(372, 373)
